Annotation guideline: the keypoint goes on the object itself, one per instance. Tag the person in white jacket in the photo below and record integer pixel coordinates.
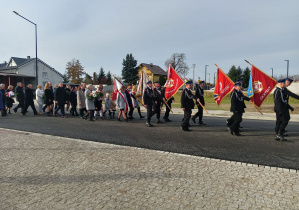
(122, 103)
(39, 93)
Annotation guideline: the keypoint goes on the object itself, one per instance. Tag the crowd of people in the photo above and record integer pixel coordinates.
(92, 104)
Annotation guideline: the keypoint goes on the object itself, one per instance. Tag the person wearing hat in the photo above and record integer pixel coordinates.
(159, 98)
(187, 104)
(199, 96)
(281, 108)
(237, 108)
(148, 99)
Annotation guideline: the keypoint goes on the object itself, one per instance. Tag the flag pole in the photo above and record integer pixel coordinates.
(203, 107)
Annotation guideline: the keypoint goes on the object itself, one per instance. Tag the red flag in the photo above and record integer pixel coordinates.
(262, 85)
(173, 83)
(116, 87)
(224, 85)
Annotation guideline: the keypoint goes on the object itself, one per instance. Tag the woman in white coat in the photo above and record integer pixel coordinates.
(89, 102)
(122, 103)
(39, 93)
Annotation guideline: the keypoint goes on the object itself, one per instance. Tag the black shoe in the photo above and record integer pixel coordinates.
(285, 134)
(186, 129)
(167, 120)
(118, 119)
(15, 111)
(230, 131)
(126, 120)
(201, 123)
(193, 120)
(238, 134)
(141, 116)
(159, 121)
(149, 124)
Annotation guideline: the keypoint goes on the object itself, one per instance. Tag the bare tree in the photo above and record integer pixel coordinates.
(177, 61)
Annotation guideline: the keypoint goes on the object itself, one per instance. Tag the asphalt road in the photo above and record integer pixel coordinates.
(256, 145)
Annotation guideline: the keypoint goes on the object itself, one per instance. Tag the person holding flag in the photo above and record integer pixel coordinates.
(187, 104)
(200, 102)
(159, 99)
(237, 108)
(148, 99)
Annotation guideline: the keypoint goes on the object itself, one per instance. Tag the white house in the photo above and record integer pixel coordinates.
(23, 70)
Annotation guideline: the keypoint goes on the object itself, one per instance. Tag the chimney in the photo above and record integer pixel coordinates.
(28, 57)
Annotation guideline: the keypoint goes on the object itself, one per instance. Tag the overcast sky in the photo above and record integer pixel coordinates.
(101, 33)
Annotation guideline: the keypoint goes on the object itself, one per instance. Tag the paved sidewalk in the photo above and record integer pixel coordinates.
(47, 172)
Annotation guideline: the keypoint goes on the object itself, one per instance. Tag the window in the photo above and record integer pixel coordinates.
(45, 74)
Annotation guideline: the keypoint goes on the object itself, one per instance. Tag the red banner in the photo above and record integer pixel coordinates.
(173, 83)
(262, 85)
(224, 85)
(116, 87)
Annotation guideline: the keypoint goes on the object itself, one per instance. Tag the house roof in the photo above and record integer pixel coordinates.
(154, 69)
(23, 61)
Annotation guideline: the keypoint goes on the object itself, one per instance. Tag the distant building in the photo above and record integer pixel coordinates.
(23, 70)
(152, 71)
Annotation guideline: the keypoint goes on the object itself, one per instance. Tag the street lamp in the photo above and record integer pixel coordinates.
(193, 75)
(287, 67)
(206, 72)
(272, 72)
(36, 71)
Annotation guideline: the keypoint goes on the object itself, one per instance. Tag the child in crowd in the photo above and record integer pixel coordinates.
(107, 105)
(9, 98)
(122, 103)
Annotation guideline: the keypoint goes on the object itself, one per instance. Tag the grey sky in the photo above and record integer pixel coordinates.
(101, 33)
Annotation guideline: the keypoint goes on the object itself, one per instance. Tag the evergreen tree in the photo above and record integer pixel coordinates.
(235, 73)
(65, 80)
(88, 79)
(109, 78)
(246, 76)
(130, 71)
(74, 71)
(102, 76)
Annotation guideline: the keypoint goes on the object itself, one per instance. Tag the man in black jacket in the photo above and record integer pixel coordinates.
(129, 95)
(2, 89)
(20, 97)
(60, 100)
(237, 108)
(187, 104)
(159, 98)
(148, 99)
(289, 93)
(29, 100)
(199, 96)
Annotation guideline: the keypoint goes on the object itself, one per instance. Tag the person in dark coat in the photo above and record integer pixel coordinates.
(3, 99)
(20, 96)
(159, 99)
(148, 99)
(187, 104)
(166, 115)
(130, 104)
(60, 100)
(29, 97)
(73, 101)
(48, 99)
(237, 108)
(199, 96)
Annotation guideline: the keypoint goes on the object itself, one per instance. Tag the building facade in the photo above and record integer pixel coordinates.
(152, 71)
(23, 70)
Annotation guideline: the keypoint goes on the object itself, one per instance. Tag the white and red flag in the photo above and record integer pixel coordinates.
(116, 87)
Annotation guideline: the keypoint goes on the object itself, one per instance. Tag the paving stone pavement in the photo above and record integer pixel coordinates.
(47, 172)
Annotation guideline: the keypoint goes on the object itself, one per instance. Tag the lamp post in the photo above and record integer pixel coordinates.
(287, 67)
(36, 70)
(272, 72)
(193, 75)
(206, 72)
(215, 78)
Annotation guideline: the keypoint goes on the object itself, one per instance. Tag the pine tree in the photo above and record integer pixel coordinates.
(88, 79)
(74, 71)
(245, 77)
(102, 76)
(109, 78)
(130, 71)
(235, 73)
